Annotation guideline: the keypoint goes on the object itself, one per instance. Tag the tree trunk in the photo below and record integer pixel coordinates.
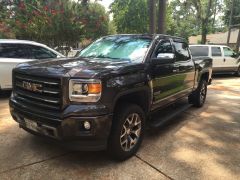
(205, 21)
(162, 16)
(152, 16)
(214, 16)
(204, 31)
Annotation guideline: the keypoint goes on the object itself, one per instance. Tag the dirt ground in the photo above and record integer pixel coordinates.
(199, 144)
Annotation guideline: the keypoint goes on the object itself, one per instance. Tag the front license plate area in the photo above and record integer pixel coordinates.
(31, 125)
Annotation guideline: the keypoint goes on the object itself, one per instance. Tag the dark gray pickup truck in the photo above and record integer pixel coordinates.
(105, 98)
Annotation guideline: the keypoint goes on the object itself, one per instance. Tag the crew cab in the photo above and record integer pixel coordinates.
(105, 98)
(13, 52)
(225, 60)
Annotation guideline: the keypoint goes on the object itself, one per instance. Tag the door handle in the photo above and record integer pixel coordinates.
(224, 59)
(176, 70)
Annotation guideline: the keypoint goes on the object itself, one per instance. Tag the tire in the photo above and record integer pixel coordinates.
(238, 72)
(198, 97)
(128, 122)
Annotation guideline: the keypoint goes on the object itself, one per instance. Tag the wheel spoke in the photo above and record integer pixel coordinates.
(136, 132)
(124, 131)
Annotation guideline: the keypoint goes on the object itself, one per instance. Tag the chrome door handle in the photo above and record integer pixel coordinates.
(176, 70)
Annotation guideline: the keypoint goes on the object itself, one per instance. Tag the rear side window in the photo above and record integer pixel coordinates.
(41, 53)
(182, 52)
(216, 51)
(8, 50)
(197, 51)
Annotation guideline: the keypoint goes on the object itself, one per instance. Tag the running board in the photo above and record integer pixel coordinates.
(162, 119)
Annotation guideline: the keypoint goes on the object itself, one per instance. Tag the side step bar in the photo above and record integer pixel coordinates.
(159, 120)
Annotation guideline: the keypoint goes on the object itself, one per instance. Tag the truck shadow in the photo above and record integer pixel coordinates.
(5, 94)
(224, 76)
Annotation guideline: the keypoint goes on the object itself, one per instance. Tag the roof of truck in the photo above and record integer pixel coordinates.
(152, 36)
(15, 41)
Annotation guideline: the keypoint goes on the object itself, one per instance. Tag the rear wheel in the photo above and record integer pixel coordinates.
(198, 97)
(127, 131)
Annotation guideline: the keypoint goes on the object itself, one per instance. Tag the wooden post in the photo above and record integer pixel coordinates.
(162, 16)
(238, 40)
(152, 16)
(230, 23)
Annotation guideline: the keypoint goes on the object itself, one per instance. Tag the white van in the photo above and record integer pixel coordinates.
(225, 60)
(13, 52)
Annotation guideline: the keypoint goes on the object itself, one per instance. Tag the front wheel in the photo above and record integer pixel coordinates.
(198, 97)
(127, 131)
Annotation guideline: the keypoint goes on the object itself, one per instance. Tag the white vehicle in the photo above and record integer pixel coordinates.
(225, 60)
(13, 52)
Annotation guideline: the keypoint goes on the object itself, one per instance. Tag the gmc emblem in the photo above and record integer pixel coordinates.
(32, 86)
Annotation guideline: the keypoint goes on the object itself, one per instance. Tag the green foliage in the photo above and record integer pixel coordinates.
(54, 22)
(130, 16)
(184, 19)
(227, 12)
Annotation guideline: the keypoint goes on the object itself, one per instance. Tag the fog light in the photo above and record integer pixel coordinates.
(87, 125)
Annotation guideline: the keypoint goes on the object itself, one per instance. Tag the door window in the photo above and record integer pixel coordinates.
(41, 53)
(228, 52)
(199, 51)
(182, 52)
(9, 50)
(164, 49)
(216, 51)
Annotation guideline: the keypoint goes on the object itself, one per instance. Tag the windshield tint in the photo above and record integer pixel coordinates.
(118, 48)
(197, 51)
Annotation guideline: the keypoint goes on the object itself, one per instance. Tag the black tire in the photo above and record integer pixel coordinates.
(238, 72)
(198, 97)
(120, 121)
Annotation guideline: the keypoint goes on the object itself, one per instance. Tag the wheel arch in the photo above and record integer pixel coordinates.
(140, 97)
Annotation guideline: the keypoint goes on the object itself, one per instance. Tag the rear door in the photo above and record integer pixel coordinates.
(10, 56)
(230, 62)
(218, 60)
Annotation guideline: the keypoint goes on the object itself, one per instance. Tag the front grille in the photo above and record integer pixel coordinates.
(40, 92)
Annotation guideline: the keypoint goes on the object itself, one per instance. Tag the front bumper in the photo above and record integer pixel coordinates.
(65, 130)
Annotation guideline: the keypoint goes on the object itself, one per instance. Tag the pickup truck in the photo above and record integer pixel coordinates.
(105, 98)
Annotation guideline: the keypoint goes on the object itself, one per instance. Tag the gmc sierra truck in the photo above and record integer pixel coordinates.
(104, 98)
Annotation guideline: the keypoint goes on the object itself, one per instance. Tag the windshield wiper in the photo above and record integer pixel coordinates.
(106, 57)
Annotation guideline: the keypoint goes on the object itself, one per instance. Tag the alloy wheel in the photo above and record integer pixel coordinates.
(131, 131)
(203, 92)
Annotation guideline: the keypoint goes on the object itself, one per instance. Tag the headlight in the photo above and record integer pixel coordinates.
(85, 90)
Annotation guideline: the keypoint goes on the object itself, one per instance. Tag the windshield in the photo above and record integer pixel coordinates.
(118, 48)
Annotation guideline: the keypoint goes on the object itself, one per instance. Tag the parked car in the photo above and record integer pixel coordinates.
(105, 97)
(13, 52)
(225, 60)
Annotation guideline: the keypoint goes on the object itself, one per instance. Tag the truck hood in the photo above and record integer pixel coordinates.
(73, 67)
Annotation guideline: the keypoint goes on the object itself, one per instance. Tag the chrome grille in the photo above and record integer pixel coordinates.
(40, 92)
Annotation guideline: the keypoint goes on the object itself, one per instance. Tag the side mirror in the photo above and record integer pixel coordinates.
(236, 55)
(164, 58)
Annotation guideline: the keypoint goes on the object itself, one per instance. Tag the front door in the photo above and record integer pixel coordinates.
(169, 79)
(230, 62)
(184, 68)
